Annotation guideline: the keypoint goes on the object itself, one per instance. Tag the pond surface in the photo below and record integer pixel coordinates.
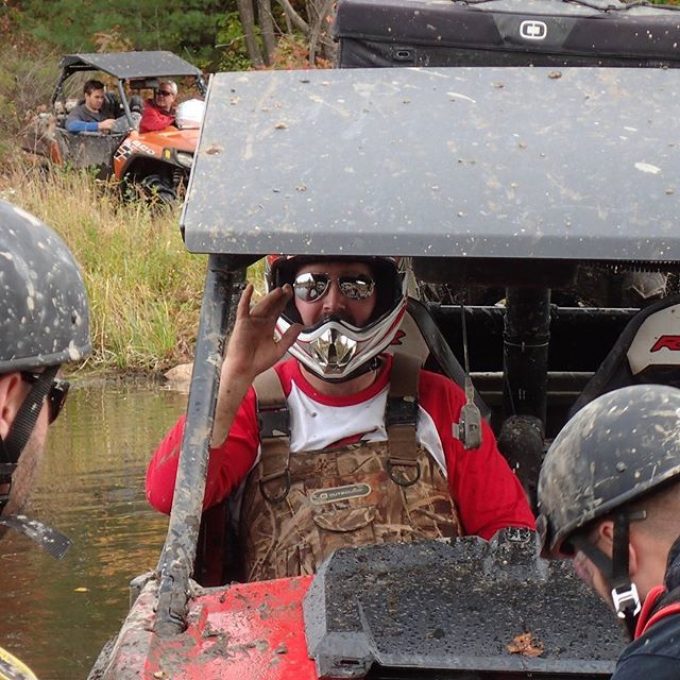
(56, 615)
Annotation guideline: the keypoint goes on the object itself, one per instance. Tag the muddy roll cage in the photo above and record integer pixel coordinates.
(513, 173)
(126, 66)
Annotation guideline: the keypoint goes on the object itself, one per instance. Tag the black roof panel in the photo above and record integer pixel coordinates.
(132, 64)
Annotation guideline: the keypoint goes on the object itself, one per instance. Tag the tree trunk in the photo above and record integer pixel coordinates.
(264, 13)
(320, 16)
(247, 15)
(294, 17)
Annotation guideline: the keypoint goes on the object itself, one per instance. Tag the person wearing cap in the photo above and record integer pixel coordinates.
(609, 498)
(159, 112)
(44, 323)
(343, 443)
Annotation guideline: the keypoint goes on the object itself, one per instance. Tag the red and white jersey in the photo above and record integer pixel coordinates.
(488, 495)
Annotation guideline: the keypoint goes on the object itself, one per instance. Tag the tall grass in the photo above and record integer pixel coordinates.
(144, 288)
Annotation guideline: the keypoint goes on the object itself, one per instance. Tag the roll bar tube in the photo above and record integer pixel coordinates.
(223, 286)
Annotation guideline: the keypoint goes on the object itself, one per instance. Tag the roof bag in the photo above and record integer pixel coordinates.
(506, 33)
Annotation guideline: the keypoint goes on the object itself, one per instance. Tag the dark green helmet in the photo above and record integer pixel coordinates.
(44, 319)
(617, 448)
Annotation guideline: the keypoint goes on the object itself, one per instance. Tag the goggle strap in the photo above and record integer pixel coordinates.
(27, 415)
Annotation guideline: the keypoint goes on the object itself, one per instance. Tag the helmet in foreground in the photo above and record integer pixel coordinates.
(44, 318)
(620, 446)
(334, 349)
(44, 321)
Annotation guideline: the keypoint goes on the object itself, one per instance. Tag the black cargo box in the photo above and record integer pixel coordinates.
(506, 33)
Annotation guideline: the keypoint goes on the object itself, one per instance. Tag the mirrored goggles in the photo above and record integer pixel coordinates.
(311, 287)
(56, 397)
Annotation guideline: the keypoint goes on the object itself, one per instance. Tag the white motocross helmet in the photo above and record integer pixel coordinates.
(334, 349)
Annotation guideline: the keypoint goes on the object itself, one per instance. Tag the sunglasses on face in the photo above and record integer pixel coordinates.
(56, 397)
(164, 93)
(311, 287)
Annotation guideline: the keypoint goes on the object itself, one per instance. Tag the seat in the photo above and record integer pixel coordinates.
(647, 351)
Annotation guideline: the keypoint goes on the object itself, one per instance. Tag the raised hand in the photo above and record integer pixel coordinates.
(106, 125)
(252, 347)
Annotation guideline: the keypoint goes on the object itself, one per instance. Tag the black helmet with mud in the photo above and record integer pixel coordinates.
(618, 448)
(44, 319)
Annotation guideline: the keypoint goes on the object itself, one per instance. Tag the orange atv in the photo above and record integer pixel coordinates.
(154, 165)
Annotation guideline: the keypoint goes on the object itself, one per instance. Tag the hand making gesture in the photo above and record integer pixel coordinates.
(252, 349)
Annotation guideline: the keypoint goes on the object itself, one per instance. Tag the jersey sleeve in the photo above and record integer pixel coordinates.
(74, 125)
(227, 465)
(488, 495)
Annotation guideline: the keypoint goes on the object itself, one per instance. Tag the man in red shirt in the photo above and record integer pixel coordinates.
(159, 112)
(343, 444)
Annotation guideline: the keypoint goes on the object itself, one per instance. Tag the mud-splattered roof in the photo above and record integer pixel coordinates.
(132, 64)
(467, 162)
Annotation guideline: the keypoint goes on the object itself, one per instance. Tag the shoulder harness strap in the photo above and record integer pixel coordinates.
(274, 421)
(401, 416)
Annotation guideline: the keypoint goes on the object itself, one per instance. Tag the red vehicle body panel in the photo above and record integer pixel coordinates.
(252, 631)
(151, 145)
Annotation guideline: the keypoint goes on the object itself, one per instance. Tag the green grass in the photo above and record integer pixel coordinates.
(144, 288)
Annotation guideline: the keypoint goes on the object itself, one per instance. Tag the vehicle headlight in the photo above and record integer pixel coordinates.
(186, 160)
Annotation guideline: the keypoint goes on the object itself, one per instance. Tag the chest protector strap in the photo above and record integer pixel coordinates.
(274, 421)
(400, 419)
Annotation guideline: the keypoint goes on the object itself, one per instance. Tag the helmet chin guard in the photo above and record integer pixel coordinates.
(333, 350)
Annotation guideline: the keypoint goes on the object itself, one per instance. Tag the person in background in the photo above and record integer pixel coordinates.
(44, 321)
(609, 498)
(97, 112)
(159, 112)
(369, 452)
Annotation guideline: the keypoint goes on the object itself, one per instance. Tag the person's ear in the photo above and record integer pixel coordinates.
(12, 395)
(605, 541)
(605, 537)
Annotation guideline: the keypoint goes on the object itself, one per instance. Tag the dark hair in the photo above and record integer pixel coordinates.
(92, 85)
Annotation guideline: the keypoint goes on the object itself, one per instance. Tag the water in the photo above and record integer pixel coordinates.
(56, 615)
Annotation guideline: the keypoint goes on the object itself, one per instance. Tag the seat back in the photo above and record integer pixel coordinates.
(420, 337)
(647, 351)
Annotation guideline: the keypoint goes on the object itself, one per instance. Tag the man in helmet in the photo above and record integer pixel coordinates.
(343, 444)
(609, 497)
(43, 323)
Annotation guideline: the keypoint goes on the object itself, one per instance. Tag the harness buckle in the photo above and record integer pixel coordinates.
(403, 478)
(275, 497)
(626, 598)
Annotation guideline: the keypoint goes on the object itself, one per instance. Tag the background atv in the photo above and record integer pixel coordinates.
(154, 164)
